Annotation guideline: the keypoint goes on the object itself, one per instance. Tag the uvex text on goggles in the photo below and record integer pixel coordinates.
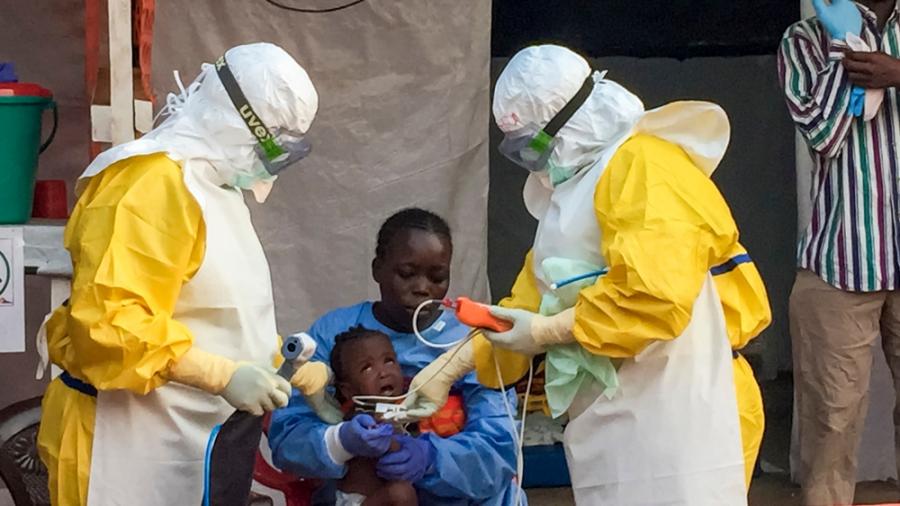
(277, 149)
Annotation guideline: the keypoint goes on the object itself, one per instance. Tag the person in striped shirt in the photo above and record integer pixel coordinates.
(845, 294)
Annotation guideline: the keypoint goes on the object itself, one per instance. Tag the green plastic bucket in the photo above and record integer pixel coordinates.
(22, 108)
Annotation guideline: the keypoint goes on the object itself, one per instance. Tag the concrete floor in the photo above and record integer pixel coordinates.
(550, 497)
(778, 490)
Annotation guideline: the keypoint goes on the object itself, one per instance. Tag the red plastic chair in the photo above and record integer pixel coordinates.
(297, 491)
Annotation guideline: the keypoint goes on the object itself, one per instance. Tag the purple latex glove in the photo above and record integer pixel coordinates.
(363, 437)
(410, 463)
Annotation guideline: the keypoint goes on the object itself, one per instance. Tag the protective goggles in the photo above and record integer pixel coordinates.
(278, 149)
(530, 146)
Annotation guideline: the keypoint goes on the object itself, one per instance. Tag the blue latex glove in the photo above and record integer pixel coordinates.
(857, 101)
(839, 17)
(409, 463)
(363, 437)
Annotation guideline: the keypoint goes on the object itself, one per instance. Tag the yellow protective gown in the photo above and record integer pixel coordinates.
(136, 236)
(664, 226)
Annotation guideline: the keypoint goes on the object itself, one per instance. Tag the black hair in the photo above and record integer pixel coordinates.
(411, 218)
(349, 336)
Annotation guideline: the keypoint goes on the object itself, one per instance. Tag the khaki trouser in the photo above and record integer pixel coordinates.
(834, 333)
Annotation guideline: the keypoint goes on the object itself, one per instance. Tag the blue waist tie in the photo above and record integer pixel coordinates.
(77, 384)
(730, 265)
(727, 267)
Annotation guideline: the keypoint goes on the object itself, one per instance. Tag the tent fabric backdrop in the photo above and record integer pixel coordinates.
(403, 121)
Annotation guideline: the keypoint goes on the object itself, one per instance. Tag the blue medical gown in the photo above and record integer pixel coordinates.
(475, 466)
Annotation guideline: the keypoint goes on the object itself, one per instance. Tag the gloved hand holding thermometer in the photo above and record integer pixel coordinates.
(518, 330)
(250, 387)
(250, 390)
(477, 315)
(310, 378)
(515, 329)
(431, 386)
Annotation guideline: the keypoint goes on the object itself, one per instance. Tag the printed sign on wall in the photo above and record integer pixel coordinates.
(12, 291)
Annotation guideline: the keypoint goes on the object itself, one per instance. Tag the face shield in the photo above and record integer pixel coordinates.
(277, 149)
(530, 147)
(283, 149)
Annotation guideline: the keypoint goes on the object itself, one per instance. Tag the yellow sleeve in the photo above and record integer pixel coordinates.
(136, 236)
(513, 366)
(524, 293)
(664, 225)
(744, 302)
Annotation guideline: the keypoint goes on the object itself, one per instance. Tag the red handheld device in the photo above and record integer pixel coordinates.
(477, 315)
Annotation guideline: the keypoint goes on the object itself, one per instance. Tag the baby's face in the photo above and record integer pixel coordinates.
(371, 368)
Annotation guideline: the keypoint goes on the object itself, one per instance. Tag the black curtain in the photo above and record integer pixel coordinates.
(644, 28)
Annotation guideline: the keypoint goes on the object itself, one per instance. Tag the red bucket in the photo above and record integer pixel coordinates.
(50, 200)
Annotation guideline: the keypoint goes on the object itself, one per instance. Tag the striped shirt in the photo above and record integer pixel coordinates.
(851, 240)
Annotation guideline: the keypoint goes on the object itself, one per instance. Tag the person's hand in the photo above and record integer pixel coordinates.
(431, 386)
(408, 463)
(311, 378)
(873, 70)
(363, 437)
(419, 405)
(325, 407)
(839, 17)
(519, 338)
(255, 389)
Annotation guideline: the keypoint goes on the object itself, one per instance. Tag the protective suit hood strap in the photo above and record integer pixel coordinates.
(254, 123)
(559, 120)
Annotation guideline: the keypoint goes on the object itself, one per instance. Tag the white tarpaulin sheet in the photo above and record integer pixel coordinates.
(403, 121)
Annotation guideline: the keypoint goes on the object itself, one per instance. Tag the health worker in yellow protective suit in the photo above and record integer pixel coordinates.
(171, 325)
(636, 288)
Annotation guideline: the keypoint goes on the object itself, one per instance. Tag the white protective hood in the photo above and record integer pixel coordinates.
(539, 81)
(203, 125)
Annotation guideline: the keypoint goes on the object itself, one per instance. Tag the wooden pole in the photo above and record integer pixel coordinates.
(120, 72)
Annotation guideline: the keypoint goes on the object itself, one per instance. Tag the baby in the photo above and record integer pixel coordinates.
(364, 363)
